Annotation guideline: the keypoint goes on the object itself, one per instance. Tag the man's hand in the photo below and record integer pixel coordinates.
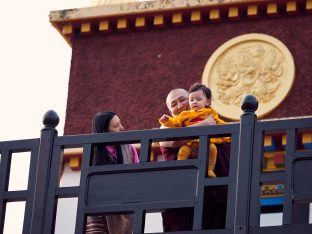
(206, 122)
(164, 119)
(194, 150)
(209, 121)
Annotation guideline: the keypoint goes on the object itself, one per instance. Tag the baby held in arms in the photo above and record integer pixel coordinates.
(199, 100)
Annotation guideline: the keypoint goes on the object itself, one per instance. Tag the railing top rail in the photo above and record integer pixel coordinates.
(154, 135)
(20, 145)
(272, 125)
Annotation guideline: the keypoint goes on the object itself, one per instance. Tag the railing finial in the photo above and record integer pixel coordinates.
(50, 119)
(249, 103)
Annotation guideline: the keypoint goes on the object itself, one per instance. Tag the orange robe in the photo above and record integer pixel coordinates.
(190, 117)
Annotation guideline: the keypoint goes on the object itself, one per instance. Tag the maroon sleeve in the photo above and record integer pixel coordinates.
(169, 153)
(223, 159)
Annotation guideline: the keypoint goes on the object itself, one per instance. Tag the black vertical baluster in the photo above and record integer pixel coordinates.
(145, 150)
(48, 133)
(80, 218)
(230, 210)
(289, 159)
(52, 202)
(139, 221)
(202, 165)
(255, 201)
(31, 186)
(5, 166)
(247, 124)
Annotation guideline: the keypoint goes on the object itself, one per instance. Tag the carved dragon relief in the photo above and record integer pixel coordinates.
(254, 69)
(256, 64)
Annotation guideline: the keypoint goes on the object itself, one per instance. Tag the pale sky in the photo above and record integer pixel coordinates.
(34, 70)
(34, 75)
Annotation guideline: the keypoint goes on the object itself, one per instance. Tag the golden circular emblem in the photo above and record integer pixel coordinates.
(255, 64)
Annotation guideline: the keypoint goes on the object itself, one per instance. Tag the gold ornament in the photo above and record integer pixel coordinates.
(254, 64)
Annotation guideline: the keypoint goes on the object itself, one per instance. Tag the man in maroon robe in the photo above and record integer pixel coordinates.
(181, 219)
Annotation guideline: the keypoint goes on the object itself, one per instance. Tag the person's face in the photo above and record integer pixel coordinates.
(198, 100)
(177, 101)
(115, 125)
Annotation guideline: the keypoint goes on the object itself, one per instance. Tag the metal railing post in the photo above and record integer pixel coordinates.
(248, 119)
(48, 133)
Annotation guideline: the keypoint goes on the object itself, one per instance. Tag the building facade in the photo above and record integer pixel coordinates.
(126, 57)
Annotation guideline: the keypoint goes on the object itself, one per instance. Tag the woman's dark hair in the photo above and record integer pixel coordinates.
(100, 124)
(101, 121)
(198, 86)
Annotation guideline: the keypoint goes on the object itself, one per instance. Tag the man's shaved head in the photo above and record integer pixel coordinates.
(177, 101)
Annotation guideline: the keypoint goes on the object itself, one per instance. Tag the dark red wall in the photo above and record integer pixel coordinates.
(131, 73)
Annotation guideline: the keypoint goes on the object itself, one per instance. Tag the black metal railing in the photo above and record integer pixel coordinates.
(162, 185)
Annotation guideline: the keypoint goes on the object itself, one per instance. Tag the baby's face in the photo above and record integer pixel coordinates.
(198, 100)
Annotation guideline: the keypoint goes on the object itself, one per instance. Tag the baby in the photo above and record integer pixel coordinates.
(199, 100)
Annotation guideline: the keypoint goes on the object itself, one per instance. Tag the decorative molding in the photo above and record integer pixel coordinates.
(196, 17)
(122, 24)
(233, 13)
(269, 190)
(85, 28)
(309, 5)
(252, 11)
(291, 7)
(75, 163)
(214, 15)
(67, 29)
(307, 140)
(177, 19)
(272, 9)
(137, 15)
(73, 157)
(108, 10)
(159, 21)
(140, 22)
(104, 26)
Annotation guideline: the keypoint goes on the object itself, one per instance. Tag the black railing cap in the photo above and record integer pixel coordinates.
(249, 103)
(50, 119)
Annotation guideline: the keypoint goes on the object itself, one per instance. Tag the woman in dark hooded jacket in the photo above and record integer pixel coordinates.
(106, 155)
